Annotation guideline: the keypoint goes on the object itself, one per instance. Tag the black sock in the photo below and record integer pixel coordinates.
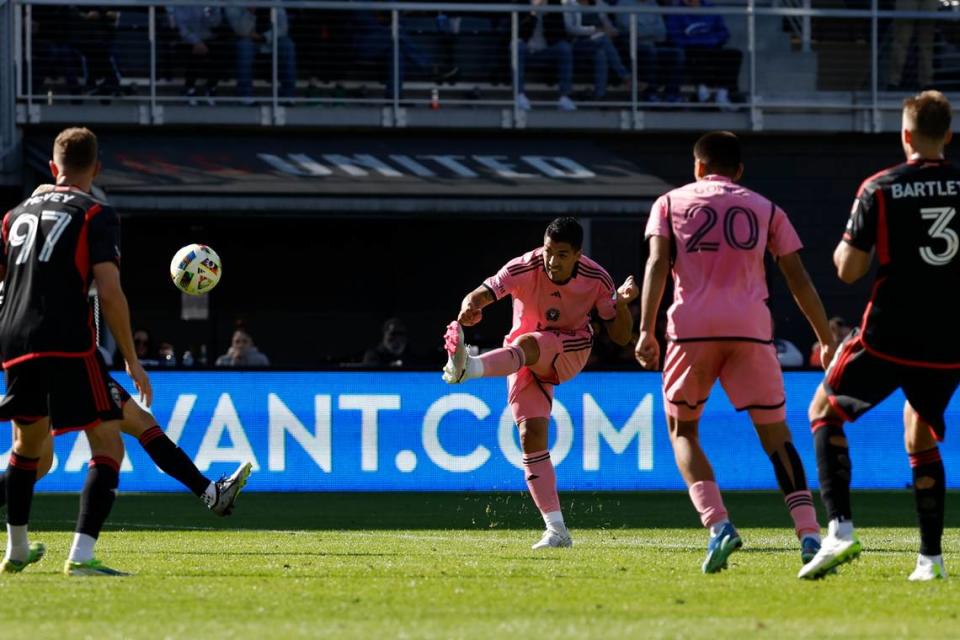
(174, 462)
(929, 493)
(833, 465)
(3, 489)
(19, 479)
(790, 474)
(99, 493)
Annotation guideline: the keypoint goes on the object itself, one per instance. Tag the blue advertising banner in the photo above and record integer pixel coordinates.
(393, 431)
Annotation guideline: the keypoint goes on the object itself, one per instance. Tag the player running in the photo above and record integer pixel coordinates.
(907, 216)
(720, 327)
(218, 496)
(54, 246)
(555, 289)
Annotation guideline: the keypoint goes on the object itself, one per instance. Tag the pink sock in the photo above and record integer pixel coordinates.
(804, 515)
(542, 481)
(502, 362)
(708, 503)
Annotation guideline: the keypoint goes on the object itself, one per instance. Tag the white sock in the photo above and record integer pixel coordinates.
(18, 547)
(554, 521)
(923, 560)
(840, 529)
(715, 528)
(82, 549)
(474, 368)
(209, 495)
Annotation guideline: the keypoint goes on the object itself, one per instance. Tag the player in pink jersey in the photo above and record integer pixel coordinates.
(555, 289)
(719, 326)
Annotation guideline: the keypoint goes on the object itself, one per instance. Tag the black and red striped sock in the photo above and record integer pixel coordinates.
(19, 479)
(833, 467)
(929, 494)
(173, 461)
(99, 494)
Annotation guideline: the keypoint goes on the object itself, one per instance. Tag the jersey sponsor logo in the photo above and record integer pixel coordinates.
(925, 189)
(553, 314)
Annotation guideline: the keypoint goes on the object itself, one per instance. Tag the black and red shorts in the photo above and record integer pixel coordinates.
(76, 393)
(858, 380)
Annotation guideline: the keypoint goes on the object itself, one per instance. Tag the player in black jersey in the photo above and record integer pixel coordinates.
(218, 496)
(906, 215)
(54, 246)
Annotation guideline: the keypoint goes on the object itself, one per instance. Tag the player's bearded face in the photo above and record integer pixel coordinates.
(559, 258)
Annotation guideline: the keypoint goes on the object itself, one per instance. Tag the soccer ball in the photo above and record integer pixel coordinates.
(195, 269)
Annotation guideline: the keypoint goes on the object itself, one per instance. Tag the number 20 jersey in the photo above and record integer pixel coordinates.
(50, 243)
(719, 233)
(908, 213)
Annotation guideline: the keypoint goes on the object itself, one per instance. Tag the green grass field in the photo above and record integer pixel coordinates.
(460, 566)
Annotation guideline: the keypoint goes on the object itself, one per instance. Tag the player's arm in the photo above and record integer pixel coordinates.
(113, 305)
(654, 282)
(807, 298)
(471, 309)
(851, 263)
(620, 329)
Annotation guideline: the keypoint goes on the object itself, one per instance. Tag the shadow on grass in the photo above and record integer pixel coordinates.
(476, 511)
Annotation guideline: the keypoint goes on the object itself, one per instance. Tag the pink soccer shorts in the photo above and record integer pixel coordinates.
(563, 355)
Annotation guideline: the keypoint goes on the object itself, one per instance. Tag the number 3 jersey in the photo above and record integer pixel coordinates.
(908, 214)
(50, 243)
(719, 232)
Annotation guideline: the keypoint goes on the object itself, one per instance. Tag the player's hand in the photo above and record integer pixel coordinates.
(628, 291)
(648, 351)
(142, 381)
(469, 316)
(827, 351)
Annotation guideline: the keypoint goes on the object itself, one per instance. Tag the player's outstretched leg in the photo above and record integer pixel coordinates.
(929, 492)
(775, 438)
(96, 500)
(833, 464)
(497, 363)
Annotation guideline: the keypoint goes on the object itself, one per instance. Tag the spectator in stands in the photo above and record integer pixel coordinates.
(92, 32)
(544, 37)
(144, 348)
(840, 330)
(254, 34)
(904, 30)
(54, 55)
(242, 352)
(659, 64)
(596, 43)
(709, 65)
(788, 354)
(203, 46)
(373, 43)
(391, 349)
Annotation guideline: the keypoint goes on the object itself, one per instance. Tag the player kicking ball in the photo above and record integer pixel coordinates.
(555, 288)
(907, 216)
(719, 327)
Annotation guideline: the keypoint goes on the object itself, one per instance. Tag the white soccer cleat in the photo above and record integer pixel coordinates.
(553, 539)
(833, 552)
(928, 569)
(456, 367)
(229, 488)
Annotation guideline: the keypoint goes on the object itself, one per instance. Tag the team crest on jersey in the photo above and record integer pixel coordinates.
(553, 315)
(115, 394)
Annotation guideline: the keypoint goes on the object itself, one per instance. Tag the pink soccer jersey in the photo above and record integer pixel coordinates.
(539, 304)
(720, 231)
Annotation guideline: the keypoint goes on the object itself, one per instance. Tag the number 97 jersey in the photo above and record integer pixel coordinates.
(719, 232)
(908, 214)
(50, 243)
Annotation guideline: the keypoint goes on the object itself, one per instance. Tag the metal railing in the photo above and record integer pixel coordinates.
(403, 63)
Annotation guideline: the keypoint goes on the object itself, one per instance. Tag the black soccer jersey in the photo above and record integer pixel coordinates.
(909, 214)
(50, 243)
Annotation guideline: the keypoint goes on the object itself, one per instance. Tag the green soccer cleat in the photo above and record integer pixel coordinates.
(720, 547)
(37, 551)
(92, 567)
(834, 552)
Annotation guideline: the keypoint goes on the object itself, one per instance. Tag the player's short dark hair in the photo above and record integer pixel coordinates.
(566, 229)
(75, 149)
(928, 115)
(719, 151)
